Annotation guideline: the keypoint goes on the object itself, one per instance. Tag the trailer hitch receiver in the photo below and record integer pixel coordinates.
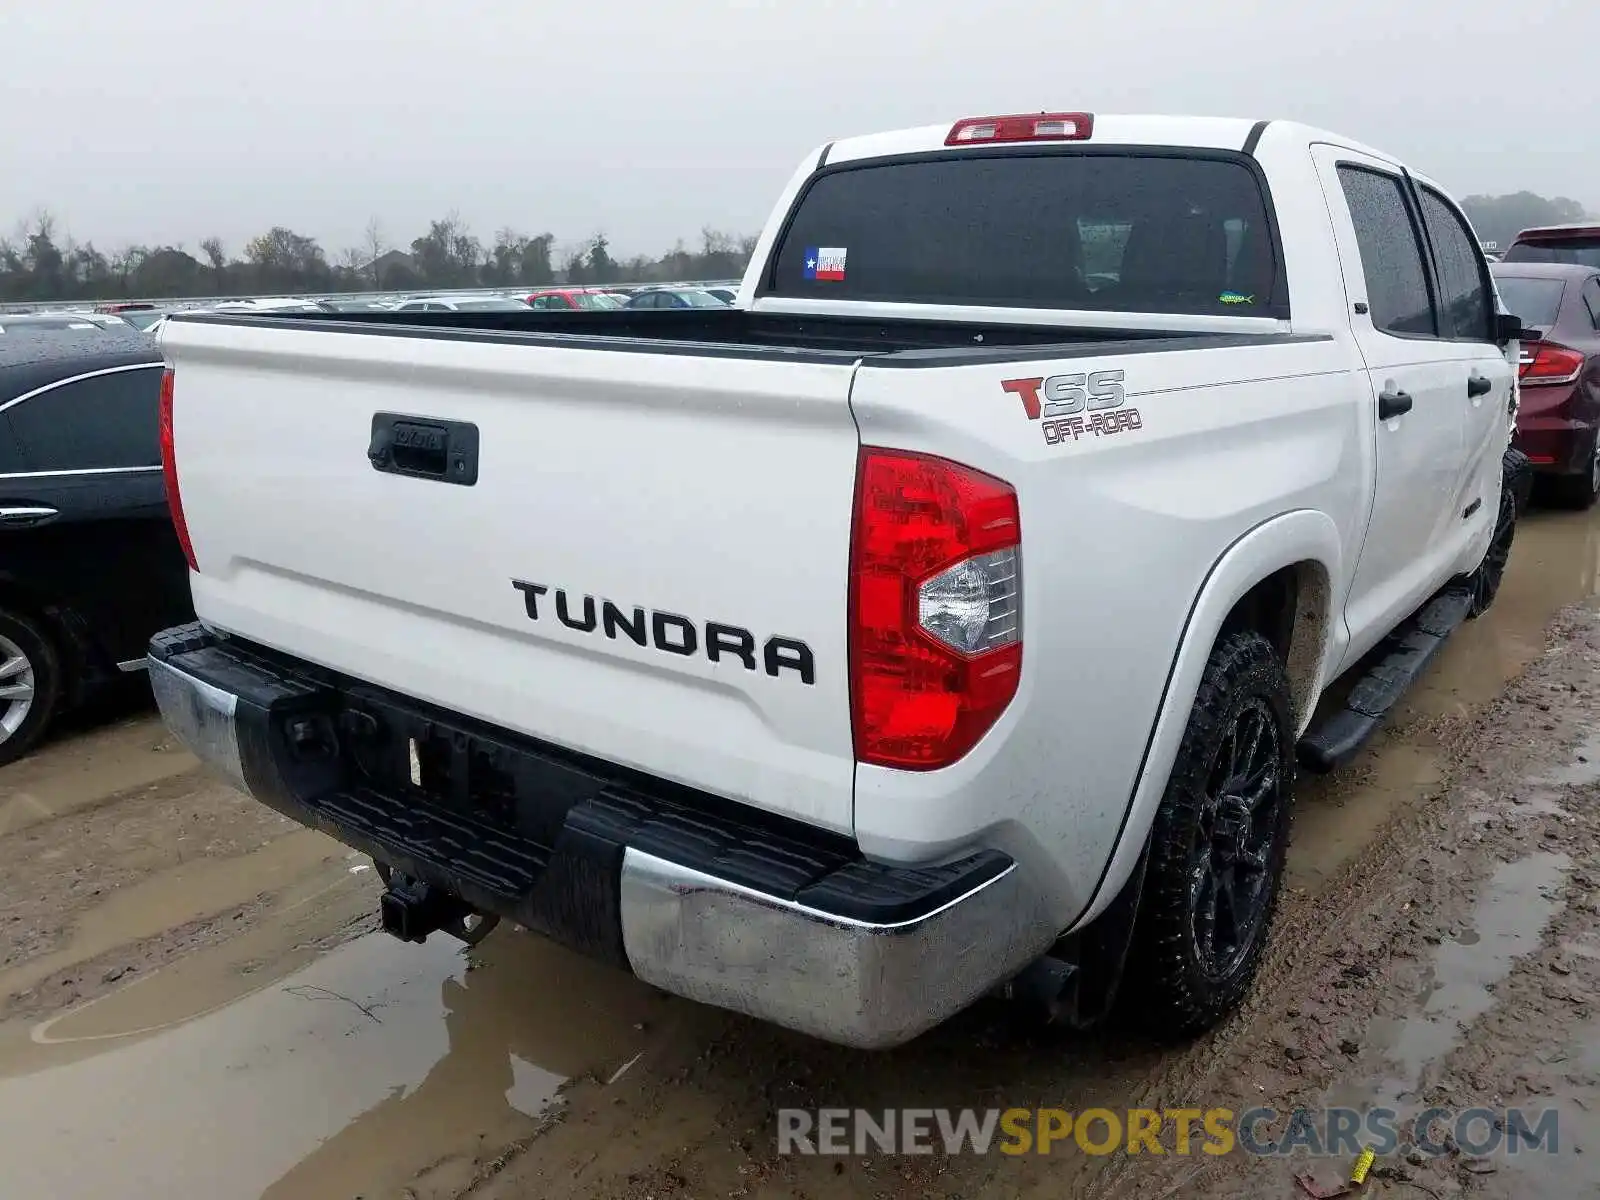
(411, 910)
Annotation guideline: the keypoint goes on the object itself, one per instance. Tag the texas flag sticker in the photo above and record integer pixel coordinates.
(825, 262)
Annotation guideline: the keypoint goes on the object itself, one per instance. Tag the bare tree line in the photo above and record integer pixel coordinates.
(41, 263)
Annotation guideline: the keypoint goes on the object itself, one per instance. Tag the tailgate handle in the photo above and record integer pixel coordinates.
(424, 448)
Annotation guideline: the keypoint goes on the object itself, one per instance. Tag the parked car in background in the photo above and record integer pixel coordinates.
(283, 304)
(1558, 420)
(675, 298)
(572, 299)
(102, 319)
(90, 564)
(43, 322)
(461, 304)
(1557, 244)
(142, 319)
(357, 306)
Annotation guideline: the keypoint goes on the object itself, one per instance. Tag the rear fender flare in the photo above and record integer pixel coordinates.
(1302, 536)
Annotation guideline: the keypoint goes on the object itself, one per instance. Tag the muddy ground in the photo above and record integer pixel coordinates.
(193, 1002)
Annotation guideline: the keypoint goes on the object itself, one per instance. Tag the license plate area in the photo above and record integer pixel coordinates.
(407, 753)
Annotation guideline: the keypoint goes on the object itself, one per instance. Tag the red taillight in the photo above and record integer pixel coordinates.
(1546, 362)
(169, 471)
(1024, 127)
(935, 608)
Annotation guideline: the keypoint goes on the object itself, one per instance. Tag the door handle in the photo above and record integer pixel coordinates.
(20, 516)
(1478, 385)
(1393, 404)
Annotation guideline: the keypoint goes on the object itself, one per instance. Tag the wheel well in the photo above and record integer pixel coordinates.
(1290, 609)
(24, 603)
(61, 625)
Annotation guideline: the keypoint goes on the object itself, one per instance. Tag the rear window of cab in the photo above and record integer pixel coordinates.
(1187, 233)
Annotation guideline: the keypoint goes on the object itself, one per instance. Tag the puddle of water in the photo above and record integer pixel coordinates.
(1507, 923)
(346, 1078)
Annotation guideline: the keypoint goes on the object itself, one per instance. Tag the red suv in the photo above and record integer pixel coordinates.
(1558, 422)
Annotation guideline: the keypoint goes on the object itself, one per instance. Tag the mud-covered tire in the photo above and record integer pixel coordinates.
(1483, 582)
(1177, 985)
(23, 719)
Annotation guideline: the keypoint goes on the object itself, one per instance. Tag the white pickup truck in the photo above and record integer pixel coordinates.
(945, 618)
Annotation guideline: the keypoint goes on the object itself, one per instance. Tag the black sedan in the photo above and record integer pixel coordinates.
(90, 566)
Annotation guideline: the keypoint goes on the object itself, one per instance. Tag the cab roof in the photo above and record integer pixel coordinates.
(1108, 129)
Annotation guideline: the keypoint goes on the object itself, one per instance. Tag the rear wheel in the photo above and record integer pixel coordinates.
(1218, 844)
(1484, 581)
(30, 683)
(1579, 490)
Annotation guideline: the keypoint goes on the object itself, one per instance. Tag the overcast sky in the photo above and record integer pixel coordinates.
(166, 122)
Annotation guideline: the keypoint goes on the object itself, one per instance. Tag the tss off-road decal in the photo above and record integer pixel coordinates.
(1075, 406)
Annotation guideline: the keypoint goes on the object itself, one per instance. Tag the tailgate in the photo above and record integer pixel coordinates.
(650, 567)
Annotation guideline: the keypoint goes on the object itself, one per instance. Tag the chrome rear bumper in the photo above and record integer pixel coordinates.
(844, 981)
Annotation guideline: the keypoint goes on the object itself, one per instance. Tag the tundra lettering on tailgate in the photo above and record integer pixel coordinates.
(669, 632)
(1073, 406)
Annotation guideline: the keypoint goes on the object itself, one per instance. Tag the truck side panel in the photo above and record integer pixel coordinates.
(1123, 517)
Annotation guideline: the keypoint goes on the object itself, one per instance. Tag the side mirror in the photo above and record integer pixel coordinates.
(1508, 328)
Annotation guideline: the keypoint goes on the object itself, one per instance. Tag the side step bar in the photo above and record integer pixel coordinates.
(1406, 653)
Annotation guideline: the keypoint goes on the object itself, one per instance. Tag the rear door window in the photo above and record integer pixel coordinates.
(92, 423)
(1536, 302)
(1591, 300)
(1391, 254)
(1136, 233)
(1463, 281)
